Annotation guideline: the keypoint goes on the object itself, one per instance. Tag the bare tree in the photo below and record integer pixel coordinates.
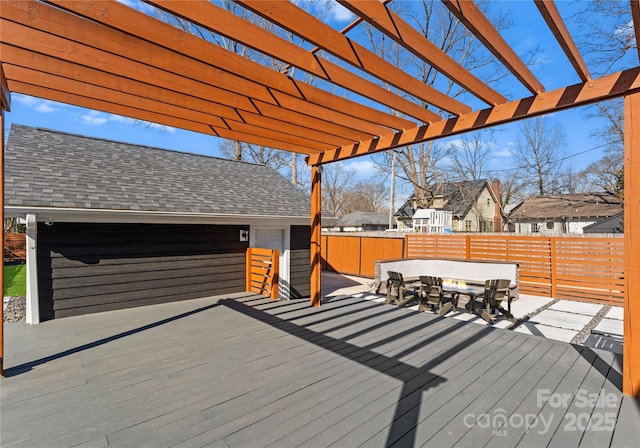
(471, 155)
(539, 154)
(336, 181)
(512, 189)
(607, 174)
(420, 165)
(365, 196)
(608, 40)
(262, 155)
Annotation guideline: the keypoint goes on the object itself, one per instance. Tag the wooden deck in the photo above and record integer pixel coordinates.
(245, 371)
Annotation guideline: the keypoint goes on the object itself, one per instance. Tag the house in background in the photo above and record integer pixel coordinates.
(474, 206)
(563, 213)
(361, 222)
(116, 225)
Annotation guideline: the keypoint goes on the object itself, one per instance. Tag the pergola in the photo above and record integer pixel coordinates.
(106, 56)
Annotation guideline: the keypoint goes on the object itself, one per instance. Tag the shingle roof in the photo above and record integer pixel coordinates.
(580, 205)
(45, 168)
(360, 218)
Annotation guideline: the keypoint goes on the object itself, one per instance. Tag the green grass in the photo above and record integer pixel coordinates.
(15, 280)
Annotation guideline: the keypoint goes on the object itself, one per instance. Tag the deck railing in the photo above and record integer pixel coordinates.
(584, 267)
(263, 267)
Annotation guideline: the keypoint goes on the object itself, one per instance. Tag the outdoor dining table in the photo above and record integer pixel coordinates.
(473, 292)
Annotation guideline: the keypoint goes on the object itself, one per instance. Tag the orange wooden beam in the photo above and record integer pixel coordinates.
(552, 16)
(290, 17)
(220, 21)
(130, 25)
(631, 355)
(468, 13)
(316, 235)
(607, 87)
(389, 23)
(5, 94)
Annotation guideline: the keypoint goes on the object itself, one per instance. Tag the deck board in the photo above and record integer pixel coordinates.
(243, 370)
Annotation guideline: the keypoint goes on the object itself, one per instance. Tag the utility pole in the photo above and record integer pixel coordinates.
(393, 189)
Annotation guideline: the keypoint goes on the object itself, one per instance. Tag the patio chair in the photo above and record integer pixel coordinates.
(432, 295)
(495, 292)
(397, 292)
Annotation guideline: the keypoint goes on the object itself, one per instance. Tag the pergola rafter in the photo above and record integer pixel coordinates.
(106, 56)
(552, 16)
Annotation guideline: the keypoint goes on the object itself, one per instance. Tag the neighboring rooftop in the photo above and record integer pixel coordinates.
(563, 206)
(46, 168)
(358, 219)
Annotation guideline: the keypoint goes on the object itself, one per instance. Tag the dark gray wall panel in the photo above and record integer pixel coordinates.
(88, 268)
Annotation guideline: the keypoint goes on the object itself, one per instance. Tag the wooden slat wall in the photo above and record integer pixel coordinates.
(373, 249)
(15, 248)
(585, 268)
(262, 271)
(343, 254)
(88, 268)
(300, 262)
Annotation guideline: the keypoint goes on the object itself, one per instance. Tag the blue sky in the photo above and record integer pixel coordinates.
(525, 34)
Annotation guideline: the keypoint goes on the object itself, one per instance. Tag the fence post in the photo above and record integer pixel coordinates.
(248, 268)
(275, 273)
(554, 273)
(467, 244)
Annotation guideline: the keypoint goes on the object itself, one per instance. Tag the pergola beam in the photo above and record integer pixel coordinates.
(468, 13)
(61, 76)
(290, 17)
(220, 21)
(126, 22)
(552, 16)
(146, 70)
(385, 20)
(607, 87)
(144, 115)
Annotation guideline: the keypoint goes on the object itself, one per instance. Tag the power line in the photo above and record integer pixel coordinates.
(560, 160)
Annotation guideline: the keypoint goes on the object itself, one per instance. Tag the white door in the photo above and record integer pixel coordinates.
(276, 238)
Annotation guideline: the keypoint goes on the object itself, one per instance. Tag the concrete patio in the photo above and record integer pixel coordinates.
(245, 371)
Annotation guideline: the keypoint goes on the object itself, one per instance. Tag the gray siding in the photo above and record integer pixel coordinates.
(300, 259)
(88, 268)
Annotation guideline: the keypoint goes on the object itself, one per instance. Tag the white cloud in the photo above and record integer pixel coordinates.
(626, 30)
(339, 13)
(39, 105)
(94, 118)
(365, 169)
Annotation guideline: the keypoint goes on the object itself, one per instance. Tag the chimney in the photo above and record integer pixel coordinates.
(497, 217)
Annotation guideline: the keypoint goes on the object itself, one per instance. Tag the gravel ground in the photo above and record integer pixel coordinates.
(593, 323)
(15, 309)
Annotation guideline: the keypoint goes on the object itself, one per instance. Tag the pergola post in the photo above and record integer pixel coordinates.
(631, 355)
(5, 102)
(316, 215)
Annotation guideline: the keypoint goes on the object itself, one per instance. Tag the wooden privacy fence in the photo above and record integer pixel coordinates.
(263, 267)
(15, 250)
(586, 268)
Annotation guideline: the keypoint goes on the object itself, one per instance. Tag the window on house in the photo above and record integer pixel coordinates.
(467, 225)
(486, 226)
(488, 202)
(535, 227)
(550, 225)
